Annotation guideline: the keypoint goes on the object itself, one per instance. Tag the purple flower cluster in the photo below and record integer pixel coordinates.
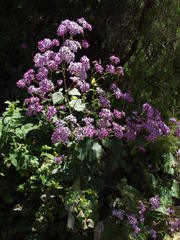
(70, 27)
(178, 130)
(152, 124)
(59, 159)
(174, 225)
(115, 60)
(133, 222)
(34, 106)
(57, 59)
(61, 134)
(120, 214)
(51, 111)
(118, 94)
(155, 202)
(98, 67)
(27, 79)
(153, 234)
(141, 211)
(46, 44)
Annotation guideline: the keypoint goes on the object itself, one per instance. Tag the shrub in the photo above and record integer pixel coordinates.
(74, 157)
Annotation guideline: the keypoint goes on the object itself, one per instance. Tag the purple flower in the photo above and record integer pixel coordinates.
(57, 58)
(106, 114)
(70, 27)
(59, 82)
(155, 202)
(62, 30)
(84, 43)
(153, 234)
(33, 90)
(117, 92)
(174, 225)
(78, 133)
(88, 120)
(66, 54)
(61, 134)
(89, 131)
(72, 119)
(133, 221)
(84, 24)
(77, 69)
(46, 86)
(55, 42)
(141, 211)
(120, 214)
(127, 97)
(120, 70)
(59, 159)
(34, 106)
(117, 114)
(72, 45)
(85, 62)
(118, 132)
(44, 45)
(172, 120)
(28, 77)
(102, 133)
(62, 107)
(104, 101)
(51, 112)
(83, 86)
(98, 67)
(21, 84)
(170, 210)
(52, 65)
(39, 60)
(110, 69)
(177, 133)
(147, 108)
(42, 74)
(115, 60)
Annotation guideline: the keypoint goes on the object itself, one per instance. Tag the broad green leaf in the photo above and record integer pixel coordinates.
(13, 159)
(57, 97)
(74, 92)
(98, 150)
(78, 105)
(175, 189)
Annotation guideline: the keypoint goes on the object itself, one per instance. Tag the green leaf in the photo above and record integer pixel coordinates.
(57, 97)
(13, 159)
(169, 163)
(48, 155)
(175, 189)
(74, 92)
(70, 221)
(77, 105)
(98, 150)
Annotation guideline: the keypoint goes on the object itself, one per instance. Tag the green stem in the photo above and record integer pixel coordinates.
(65, 86)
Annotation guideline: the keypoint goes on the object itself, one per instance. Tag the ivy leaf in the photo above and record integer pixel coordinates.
(77, 105)
(74, 92)
(57, 97)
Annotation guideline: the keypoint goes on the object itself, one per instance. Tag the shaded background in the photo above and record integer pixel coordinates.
(145, 34)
